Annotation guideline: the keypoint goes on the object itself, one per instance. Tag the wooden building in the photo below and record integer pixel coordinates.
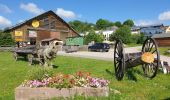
(163, 40)
(46, 25)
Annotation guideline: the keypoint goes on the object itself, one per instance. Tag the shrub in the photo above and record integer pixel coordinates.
(6, 39)
(92, 36)
(39, 73)
(123, 33)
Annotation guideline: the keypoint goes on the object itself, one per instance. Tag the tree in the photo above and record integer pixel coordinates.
(118, 24)
(103, 24)
(6, 39)
(129, 23)
(80, 26)
(92, 36)
(123, 33)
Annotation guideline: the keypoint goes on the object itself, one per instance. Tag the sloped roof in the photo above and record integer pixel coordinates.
(36, 17)
(163, 35)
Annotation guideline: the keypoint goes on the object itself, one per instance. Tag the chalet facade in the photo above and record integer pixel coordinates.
(163, 40)
(46, 25)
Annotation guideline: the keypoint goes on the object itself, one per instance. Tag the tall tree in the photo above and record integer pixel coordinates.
(6, 39)
(80, 26)
(123, 33)
(103, 24)
(128, 22)
(118, 24)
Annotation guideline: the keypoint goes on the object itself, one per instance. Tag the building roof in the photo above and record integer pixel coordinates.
(163, 35)
(37, 17)
(153, 25)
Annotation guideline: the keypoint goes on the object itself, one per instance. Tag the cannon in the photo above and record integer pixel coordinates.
(149, 58)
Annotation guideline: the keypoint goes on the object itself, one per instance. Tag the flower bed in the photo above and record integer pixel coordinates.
(62, 85)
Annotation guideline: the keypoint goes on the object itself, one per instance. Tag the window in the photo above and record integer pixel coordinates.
(45, 23)
(53, 25)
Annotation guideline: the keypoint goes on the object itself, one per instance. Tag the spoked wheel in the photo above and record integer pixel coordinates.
(15, 55)
(150, 69)
(119, 61)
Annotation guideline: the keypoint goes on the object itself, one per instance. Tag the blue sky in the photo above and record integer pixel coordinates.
(143, 12)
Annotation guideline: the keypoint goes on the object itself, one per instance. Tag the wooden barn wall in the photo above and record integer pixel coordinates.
(61, 32)
(43, 35)
(23, 29)
(163, 42)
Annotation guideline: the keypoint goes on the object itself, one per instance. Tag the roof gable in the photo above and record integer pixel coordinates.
(38, 17)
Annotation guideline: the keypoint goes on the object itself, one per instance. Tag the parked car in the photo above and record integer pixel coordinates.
(102, 47)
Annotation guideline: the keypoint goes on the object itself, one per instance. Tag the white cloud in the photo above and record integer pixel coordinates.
(146, 22)
(32, 8)
(4, 22)
(5, 9)
(65, 13)
(164, 16)
(20, 21)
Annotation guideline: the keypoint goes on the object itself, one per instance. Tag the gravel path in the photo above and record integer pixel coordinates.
(108, 56)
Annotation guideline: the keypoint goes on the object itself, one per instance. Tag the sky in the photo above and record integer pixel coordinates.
(142, 12)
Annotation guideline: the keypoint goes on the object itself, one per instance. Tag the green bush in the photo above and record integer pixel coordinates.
(6, 39)
(123, 33)
(39, 73)
(92, 36)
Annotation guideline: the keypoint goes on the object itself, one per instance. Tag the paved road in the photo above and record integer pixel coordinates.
(108, 56)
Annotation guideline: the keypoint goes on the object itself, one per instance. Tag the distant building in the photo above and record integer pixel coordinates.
(167, 29)
(106, 33)
(163, 40)
(135, 30)
(150, 30)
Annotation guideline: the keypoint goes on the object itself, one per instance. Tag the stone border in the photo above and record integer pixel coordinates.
(27, 93)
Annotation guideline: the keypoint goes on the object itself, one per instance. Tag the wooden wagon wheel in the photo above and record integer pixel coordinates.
(150, 69)
(30, 59)
(15, 55)
(119, 60)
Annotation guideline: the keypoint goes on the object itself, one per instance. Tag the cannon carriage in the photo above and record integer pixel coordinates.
(149, 58)
(30, 53)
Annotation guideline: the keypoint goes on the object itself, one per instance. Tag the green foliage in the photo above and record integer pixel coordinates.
(164, 51)
(103, 24)
(80, 26)
(13, 74)
(6, 39)
(123, 33)
(118, 24)
(141, 38)
(129, 23)
(92, 36)
(39, 73)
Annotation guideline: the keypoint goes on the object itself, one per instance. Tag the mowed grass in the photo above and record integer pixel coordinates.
(133, 87)
(164, 51)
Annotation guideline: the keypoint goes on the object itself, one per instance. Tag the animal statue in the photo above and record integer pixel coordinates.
(47, 53)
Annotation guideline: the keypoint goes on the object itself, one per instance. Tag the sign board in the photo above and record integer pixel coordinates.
(35, 23)
(32, 34)
(18, 33)
(18, 39)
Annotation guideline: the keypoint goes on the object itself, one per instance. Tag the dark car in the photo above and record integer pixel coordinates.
(102, 47)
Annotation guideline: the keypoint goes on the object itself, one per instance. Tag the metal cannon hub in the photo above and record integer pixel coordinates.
(149, 58)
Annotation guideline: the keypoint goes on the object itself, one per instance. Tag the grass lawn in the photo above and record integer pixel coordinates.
(133, 87)
(163, 51)
(133, 45)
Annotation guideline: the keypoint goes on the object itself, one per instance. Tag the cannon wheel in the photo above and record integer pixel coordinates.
(119, 61)
(150, 70)
(30, 59)
(15, 55)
